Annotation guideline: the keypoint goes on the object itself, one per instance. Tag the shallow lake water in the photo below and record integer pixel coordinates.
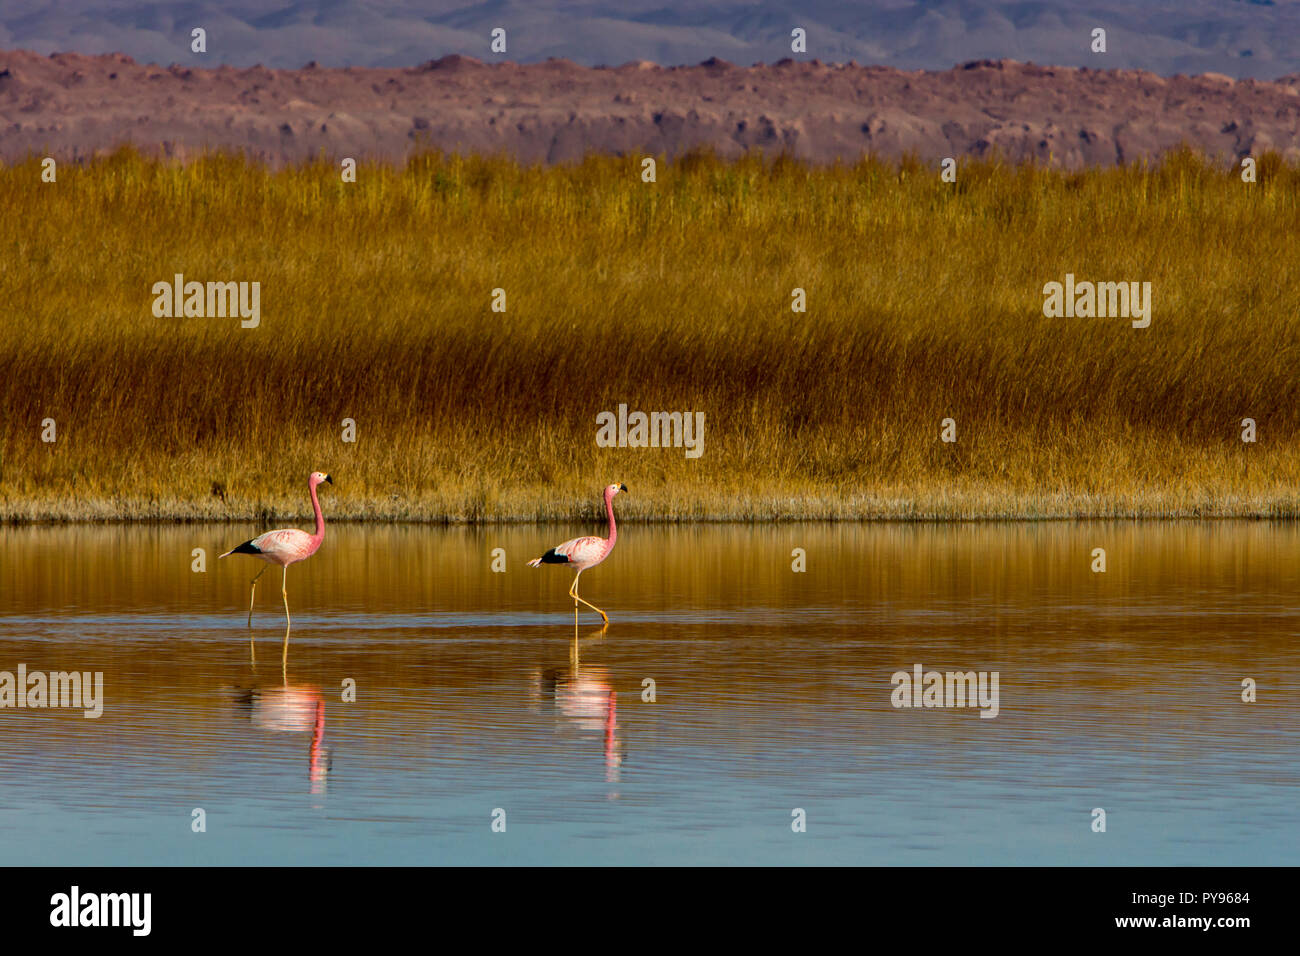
(772, 694)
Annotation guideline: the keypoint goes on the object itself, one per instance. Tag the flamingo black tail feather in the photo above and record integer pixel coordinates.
(246, 548)
(550, 557)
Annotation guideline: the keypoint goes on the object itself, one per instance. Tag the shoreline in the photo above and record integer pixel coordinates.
(1290, 514)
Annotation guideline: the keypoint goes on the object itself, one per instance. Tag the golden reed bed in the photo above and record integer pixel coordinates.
(924, 302)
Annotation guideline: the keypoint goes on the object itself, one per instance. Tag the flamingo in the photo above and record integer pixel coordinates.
(584, 553)
(285, 548)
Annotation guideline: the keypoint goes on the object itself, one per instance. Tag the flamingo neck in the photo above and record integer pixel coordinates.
(320, 518)
(613, 528)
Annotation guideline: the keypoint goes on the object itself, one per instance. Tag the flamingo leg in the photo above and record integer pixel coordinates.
(573, 593)
(284, 593)
(251, 594)
(284, 655)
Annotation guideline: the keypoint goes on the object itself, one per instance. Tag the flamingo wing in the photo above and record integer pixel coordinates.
(287, 545)
(575, 551)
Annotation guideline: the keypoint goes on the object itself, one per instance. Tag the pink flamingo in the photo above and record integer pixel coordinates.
(584, 553)
(285, 547)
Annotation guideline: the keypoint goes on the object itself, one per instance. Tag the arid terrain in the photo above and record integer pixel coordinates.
(73, 106)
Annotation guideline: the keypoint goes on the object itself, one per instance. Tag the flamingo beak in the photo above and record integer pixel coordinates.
(622, 487)
(329, 479)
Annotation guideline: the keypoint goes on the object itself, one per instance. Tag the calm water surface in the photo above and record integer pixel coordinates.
(772, 692)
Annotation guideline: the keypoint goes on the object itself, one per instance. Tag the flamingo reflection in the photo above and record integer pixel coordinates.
(584, 698)
(293, 709)
(284, 655)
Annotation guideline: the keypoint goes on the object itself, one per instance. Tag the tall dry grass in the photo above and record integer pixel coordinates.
(925, 302)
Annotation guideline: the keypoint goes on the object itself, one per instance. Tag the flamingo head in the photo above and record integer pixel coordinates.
(612, 490)
(317, 477)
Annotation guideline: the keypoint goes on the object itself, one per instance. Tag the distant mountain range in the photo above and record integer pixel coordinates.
(1239, 38)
